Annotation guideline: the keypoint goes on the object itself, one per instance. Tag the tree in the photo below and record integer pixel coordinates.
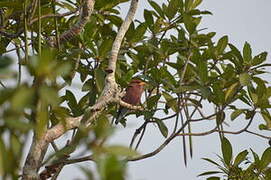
(55, 42)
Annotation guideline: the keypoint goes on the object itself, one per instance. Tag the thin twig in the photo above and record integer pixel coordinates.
(256, 134)
(160, 148)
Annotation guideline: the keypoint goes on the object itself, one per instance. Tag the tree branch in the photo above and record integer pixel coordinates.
(86, 11)
(110, 93)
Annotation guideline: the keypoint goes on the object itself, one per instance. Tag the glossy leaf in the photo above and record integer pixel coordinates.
(226, 150)
(162, 127)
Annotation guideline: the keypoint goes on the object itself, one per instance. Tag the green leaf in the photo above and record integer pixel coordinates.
(157, 8)
(247, 54)
(266, 158)
(209, 173)
(226, 151)
(188, 5)
(196, 3)
(222, 44)
(107, 4)
(152, 101)
(99, 79)
(148, 17)
(240, 158)
(72, 103)
(267, 117)
(244, 79)
(22, 98)
(172, 8)
(171, 102)
(5, 61)
(128, 76)
(162, 127)
(189, 23)
(254, 97)
(260, 58)
(213, 178)
(120, 150)
(236, 53)
(255, 156)
(203, 70)
(88, 85)
(236, 113)
(49, 95)
(211, 161)
(105, 47)
(230, 92)
(139, 33)
(111, 168)
(19, 125)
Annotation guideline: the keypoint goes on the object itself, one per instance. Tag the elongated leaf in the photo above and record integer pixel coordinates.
(209, 173)
(231, 91)
(222, 44)
(266, 158)
(99, 79)
(259, 58)
(157, 8)
(162, 127)
(105, 47)
(139, 33)
(196, 3)
(226, 150)
(172, 8)
(120, 150)
(247, 54)
(211, 161)
(152, 101)
(244, 79)
(240, 158)
(213, 178)
(236, 113)
(148, 17)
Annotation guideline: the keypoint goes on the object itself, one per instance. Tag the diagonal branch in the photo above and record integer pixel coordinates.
(87, 9)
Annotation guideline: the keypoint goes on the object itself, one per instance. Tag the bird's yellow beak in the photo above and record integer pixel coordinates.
(142, 83)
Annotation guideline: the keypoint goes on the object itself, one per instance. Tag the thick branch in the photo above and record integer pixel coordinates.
(121, 33)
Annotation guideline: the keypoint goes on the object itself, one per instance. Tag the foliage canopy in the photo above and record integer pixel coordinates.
(184, 67)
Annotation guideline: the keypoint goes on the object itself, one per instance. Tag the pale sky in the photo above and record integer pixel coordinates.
(241, 20)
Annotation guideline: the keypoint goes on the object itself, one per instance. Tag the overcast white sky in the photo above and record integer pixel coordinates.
(241, 20)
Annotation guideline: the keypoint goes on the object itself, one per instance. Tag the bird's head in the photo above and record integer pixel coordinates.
(138, 84)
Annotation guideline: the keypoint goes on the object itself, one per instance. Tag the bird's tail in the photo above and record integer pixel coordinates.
(121, 113)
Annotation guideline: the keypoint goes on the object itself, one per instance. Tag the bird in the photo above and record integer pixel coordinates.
(132, 96)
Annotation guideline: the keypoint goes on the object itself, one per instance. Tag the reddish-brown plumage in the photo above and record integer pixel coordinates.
(134, 92)
(132, 96)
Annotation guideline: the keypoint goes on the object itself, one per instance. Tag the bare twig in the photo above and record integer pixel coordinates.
(257, 134)
(161, 147)
(220, 131)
